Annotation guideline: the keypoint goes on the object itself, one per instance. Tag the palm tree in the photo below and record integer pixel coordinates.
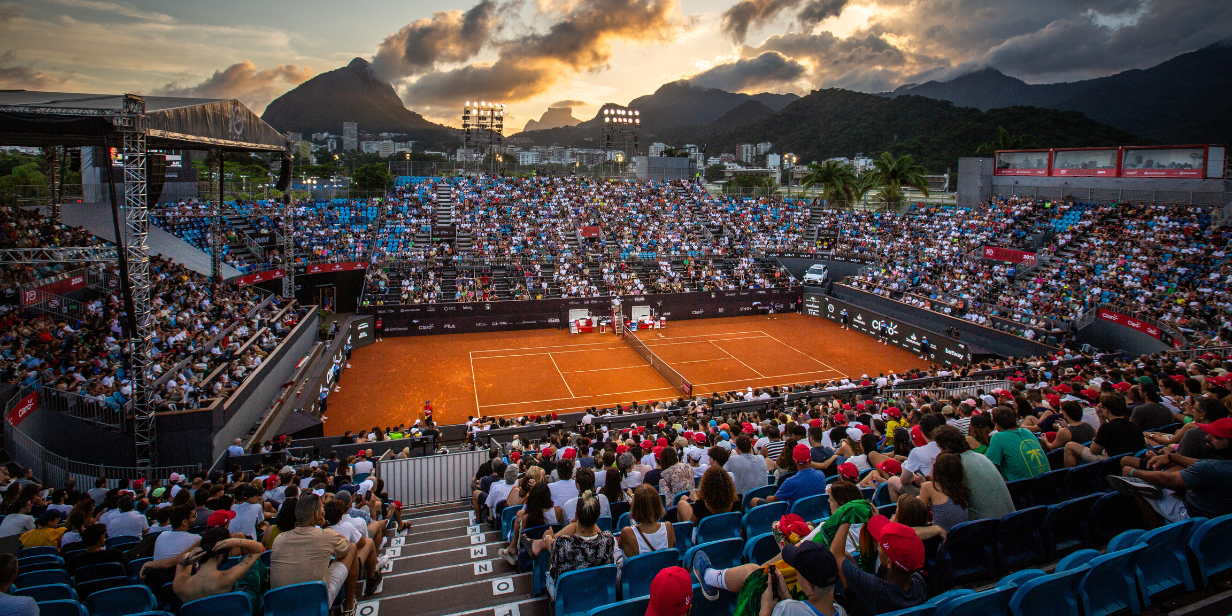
(894, 174)
(1006, 141)
(862, 183)
(835, 178)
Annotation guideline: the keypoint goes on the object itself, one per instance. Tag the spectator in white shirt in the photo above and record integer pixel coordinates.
(127, 523)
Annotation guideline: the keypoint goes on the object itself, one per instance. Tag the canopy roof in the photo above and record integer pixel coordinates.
(74, 119)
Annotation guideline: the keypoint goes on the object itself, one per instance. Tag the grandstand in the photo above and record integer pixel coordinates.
(1023, 355)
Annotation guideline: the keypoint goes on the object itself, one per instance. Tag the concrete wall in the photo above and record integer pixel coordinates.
(1112, 336)
(982, 337)
(838, 269)
(77, 439)
(974, 181)
(246, 406)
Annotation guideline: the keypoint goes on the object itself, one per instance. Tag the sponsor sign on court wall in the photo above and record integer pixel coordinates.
(941, 349)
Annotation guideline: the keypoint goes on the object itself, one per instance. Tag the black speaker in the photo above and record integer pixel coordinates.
(284, 174)
(155, 175)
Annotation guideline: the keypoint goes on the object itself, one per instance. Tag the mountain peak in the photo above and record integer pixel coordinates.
(358, 64)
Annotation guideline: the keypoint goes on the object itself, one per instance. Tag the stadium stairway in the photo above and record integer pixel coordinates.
(447, 565)
(96, 218)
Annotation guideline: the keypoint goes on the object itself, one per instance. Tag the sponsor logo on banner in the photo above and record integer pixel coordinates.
(324, 268)
(1010, 255)
(23, 408)
(1134, 324)
(251, 279)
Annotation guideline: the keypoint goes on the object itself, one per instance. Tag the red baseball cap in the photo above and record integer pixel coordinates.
(801, 453)
(271, 482)
(891, 466)
(917, 436)
(900, 543)
(748, 429)
(816, 423)
(1053, 400)
(658, 452)
(1063, 388)
(848, 470)
(662, 442)
(221, 517)
(622, 449)
(894, 412)
(1122, 386)
(863, 428)
(569, 453)
(699, 437)
(839, 418)
(515, 455)
(1221, 428)
(671, 593)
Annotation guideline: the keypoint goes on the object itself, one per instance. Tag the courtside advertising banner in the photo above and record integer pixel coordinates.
(941, 349)
(23, 408)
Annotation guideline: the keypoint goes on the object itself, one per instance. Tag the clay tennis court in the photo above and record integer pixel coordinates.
(544, 371)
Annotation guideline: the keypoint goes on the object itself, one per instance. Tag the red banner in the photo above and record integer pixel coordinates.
(997, 253)
(322, 268)
(1130, 322)
(251, 279)
(23, 408)
(589, 231)
(1109, 173)
(63, 286)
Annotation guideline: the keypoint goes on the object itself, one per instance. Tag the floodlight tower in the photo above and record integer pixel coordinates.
(621, 125)
(483, 125)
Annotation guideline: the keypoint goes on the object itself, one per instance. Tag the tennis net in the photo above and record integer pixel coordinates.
(669, 373)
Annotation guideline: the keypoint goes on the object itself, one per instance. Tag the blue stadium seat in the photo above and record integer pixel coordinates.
(639, 571)
(508, 516)
(231, 604)
(533, 533)
(1210, 546)
(121, 541)
(62, 607)
(719, 526)
(1067, 527)
(1110, 584)
(1018, 578)
(888, 510)
(604, 523)
(42, 550)
(684, 536)
(1125, 539)
(121, 601)
(760, 549)
(47, 592)
(134, 567)
(992, 601)
(98, 572)
(881, 496)
(723, 554)
(724, 606)
(1055, 595)
(1019, 540)
(619, 509)
(628, 607)
(1048, 488)
(812, 508)
(582, 590)
(967, 554)
(1020, 491)
(1163, 564)
(758, 520)
(40, 578)
(762, 493)
(625, 520)
(1113, 514)
(85, 589)
(303, 599)
(926, 609)
(25, 563)
(1083, 480)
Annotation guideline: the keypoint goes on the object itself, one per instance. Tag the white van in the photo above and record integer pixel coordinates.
(816, 275)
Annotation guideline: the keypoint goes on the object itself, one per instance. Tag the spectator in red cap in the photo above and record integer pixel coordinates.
(901, 553)
(807, 481)
(1204, 482)
(671, 593)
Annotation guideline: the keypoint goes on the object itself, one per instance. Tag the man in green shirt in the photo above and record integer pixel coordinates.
(1016, 451)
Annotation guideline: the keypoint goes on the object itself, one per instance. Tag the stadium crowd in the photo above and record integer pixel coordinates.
(898, 473)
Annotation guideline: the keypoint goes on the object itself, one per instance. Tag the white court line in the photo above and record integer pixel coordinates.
(716, 345)
(615, 348)
(550, 346)
(703, 341)
(805, 354)
(474, 381)
(698, 361)
(605, 369)
(562, 376)
(773, 376)
(755, 331)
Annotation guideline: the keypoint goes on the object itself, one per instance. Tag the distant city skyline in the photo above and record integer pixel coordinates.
(583, 53)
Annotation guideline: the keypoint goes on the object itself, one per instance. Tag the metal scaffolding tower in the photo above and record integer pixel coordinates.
(216, 196)
(133, 124)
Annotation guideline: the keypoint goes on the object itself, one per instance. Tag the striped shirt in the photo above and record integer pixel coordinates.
(774, 448)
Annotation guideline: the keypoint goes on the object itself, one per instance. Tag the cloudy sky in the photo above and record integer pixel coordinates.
(532, 54)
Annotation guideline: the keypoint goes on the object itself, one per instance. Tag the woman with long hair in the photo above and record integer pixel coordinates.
(581, 544)
(786, 465)
(517, 495)
(902, 444)
(283, 522)
(612, 488)
(947, 495)
(677, 476)
(715, 494)
(647, 534)
(536, 511)
(979, 433)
